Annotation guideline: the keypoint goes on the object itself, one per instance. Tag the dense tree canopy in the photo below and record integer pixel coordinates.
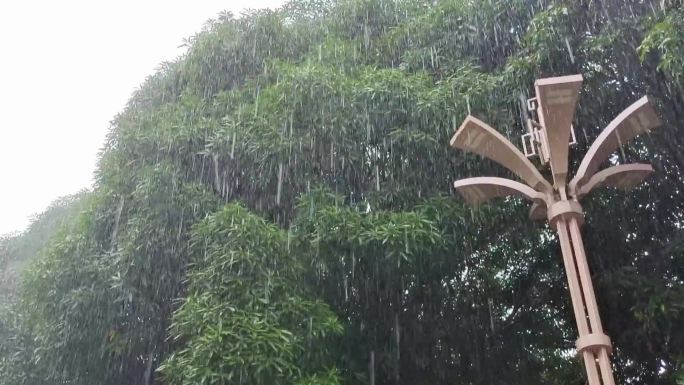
(275, 207)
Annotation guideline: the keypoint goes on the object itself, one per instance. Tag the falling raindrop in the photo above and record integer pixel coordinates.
(280, 183)
(232, 146)
(377, 177)
(569, 48)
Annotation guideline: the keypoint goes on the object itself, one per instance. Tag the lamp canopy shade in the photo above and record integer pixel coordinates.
(624, 177)
(476, 136)
(478, 190)
(557, 98)
(636, 119)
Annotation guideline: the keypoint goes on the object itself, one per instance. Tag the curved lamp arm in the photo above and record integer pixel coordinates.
(624, 177)
(479, 190)
(636, 119)
(476, 136)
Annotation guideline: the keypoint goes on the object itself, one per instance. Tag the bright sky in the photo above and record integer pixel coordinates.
(66, 68)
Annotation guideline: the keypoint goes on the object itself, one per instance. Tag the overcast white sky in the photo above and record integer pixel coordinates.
(66, 68)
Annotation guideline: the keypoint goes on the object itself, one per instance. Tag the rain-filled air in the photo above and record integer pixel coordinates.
(374, 192)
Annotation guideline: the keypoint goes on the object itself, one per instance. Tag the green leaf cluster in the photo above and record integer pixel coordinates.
(246, 318)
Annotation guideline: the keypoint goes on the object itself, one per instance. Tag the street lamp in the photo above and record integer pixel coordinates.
(550, 132)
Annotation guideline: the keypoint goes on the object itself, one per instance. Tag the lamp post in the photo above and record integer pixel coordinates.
(549, 134)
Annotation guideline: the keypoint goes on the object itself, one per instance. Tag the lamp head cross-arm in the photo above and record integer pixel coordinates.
(624, 177)
(477, 136)
(478, 190)
(636, 119)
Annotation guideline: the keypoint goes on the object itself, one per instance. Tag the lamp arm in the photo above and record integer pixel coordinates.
(478, 190)
(624, 176)
(638, 118)
(477, 136)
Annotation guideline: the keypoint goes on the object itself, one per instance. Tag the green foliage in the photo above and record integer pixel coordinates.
(350, 260)
(18, 250)
(60, 291)
(108, 303)
(245, 317)
(406, 277)
(16, 253)
(666, 37)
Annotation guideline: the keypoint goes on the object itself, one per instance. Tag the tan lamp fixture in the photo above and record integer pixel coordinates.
(550, 132)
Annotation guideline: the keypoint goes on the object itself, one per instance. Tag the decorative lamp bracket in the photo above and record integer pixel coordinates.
(548, 118)
(534, 143)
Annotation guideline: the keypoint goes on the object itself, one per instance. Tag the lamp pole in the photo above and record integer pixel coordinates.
(549, 134)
